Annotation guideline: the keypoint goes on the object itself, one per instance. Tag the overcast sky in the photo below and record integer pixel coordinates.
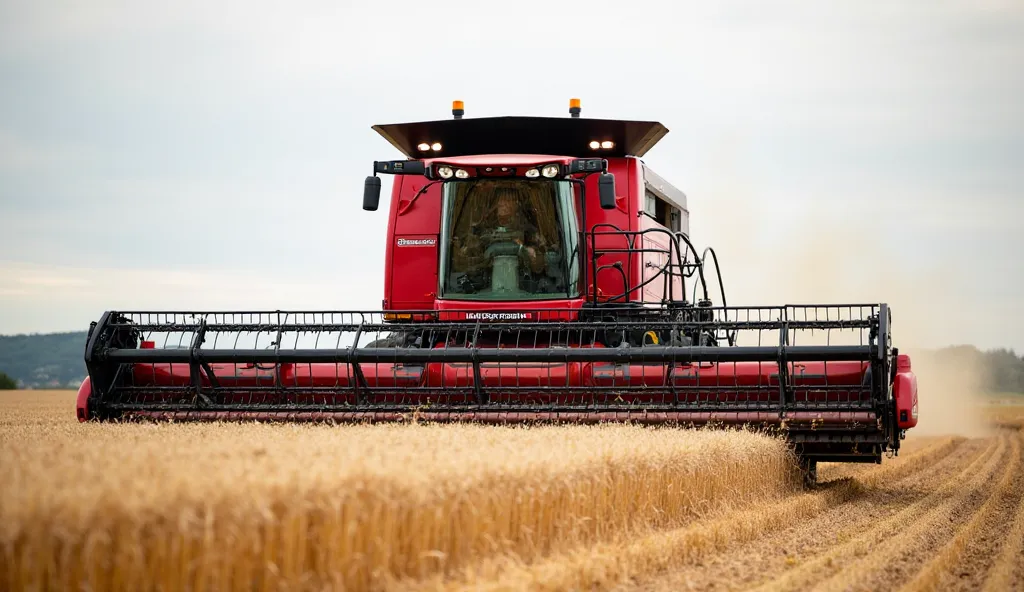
(211, 155)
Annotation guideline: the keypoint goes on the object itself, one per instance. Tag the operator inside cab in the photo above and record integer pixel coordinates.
(505, 240)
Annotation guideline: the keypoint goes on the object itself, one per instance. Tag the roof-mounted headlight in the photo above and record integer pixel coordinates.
(550, 171)
(461, 174)
(533, 173)
(445, 172)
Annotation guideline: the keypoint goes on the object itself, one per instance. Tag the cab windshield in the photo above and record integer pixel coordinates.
(509, 239)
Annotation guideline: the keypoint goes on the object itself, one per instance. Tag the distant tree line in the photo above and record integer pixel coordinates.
(1006, 371)
(1001, 370)
(7, 383)
(50, 360)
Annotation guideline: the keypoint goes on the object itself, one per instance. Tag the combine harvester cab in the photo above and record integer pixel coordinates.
(536, 271)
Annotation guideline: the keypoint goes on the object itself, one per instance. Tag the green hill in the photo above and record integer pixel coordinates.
(52, 360)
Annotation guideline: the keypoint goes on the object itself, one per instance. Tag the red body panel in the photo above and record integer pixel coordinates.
(412, 244)
(610, 281)
(82, 401)
(656, 289)
(905, 393)
(557, 382)
(299, 376)
(745, 380)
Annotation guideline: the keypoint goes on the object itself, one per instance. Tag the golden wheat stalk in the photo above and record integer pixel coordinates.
(256, 506)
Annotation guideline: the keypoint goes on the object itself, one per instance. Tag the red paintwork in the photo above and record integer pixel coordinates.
(655, 290)
(905, 393)
(575, 383)
(82, 401)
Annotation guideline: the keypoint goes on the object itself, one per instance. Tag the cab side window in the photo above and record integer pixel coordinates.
(666, 214)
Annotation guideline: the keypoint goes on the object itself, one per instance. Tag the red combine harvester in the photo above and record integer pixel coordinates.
(536, 271)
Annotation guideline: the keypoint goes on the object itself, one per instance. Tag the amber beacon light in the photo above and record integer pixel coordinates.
(574, 107)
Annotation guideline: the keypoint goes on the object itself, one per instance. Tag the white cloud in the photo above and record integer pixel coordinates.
(198, 154)
(20, 155)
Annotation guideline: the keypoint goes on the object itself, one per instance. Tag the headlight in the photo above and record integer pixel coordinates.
(533, 173)
(594, 145)
(550, 171)
(424, 147)
(436, 146)
(607, 144)
(445, 172)
(461, 174)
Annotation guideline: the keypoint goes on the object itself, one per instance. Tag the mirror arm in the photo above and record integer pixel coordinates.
(371, 187)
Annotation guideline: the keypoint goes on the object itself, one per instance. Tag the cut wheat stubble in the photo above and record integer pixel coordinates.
(855, 561)
(946, 561)
(619, 561)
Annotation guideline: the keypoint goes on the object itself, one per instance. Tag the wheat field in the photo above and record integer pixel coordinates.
(426, 507)
(244, 505)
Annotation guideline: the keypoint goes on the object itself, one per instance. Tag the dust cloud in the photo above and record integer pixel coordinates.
(775, 250)
(949, 386)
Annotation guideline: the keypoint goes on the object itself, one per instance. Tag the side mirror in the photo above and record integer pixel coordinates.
(371, 193)
(606, 191)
